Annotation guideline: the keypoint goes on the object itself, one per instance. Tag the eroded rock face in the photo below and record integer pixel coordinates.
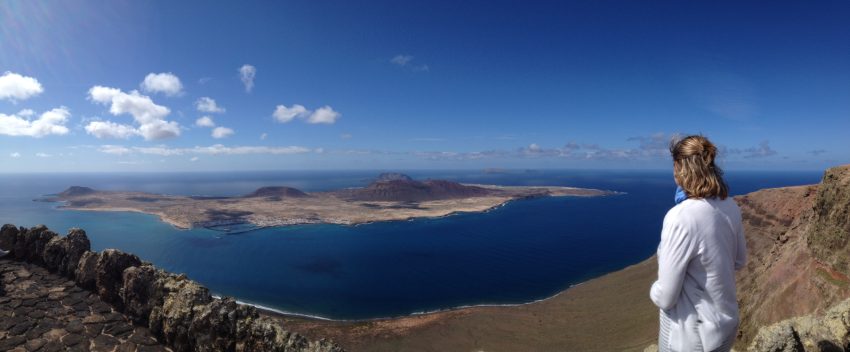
(827, 332)
(141, 292)
(182, 299)
(62, 254)
(178, 312)
(109, 275)
(86, 274)
(830, 230)
(8, 235)
(29, 243)
(220, 324)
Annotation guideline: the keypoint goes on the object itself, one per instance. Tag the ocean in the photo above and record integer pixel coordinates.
(523, 251)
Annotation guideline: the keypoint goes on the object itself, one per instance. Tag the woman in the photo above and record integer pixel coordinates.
(702, 245)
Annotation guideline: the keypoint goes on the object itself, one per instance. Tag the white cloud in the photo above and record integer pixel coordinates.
(401, 60)
(42, 155)
(219, 149)
(159, 129)
(161, 150)
(284, 114)
(325, 115)
(205, 121)
(263, 136)
(14, 87)
(149, 115)
(50, 122)
(166, 83)
(207, 104)
(193, 159)
(114, 149)
(109, 129)
(247, 74)
(216, 149)
(221, 132)
(27, 113)
(15, 155)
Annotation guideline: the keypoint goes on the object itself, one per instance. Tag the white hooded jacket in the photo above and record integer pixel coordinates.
(702, 245)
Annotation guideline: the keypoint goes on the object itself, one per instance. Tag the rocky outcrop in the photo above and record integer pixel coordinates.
(830, 225)
(179, 312)
(815, 332)
(277, 191)
(403, 190)
(76, 191)
(392, 176)
(62, 254)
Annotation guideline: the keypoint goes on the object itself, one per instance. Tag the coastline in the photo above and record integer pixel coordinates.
(608, 312)
(258, 226)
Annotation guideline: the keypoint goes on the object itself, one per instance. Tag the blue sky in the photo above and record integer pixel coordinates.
(121, 85)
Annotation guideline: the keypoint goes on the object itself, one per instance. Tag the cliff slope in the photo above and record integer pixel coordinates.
(796, 239)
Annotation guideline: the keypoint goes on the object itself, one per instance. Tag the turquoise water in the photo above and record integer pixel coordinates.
(523, 251)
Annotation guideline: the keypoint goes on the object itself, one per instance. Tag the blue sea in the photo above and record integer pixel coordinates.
(524, 251)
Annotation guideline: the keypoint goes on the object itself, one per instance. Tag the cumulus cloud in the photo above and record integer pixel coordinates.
(166, 83)
(15, 155)
(42, 155)
(50, 122)
(109, 129)
(159, 129)
(247, 74)
(205, 121)
(325, 114)
(148, 115)
(221, 132)
(215, 149)
(207, 104)
(284, 114)
(14, 87)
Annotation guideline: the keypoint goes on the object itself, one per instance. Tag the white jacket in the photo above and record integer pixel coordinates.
(702, 245)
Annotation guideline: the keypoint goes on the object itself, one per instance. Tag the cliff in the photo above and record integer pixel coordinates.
(179, 313)
(796, 239)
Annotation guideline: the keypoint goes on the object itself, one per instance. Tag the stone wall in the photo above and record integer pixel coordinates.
(179, 312)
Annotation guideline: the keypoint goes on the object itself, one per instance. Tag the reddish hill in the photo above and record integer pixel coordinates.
(402, 190)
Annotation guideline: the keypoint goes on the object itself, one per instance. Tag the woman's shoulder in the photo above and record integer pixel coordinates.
(691, 209)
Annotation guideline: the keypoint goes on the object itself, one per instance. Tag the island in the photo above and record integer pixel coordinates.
(391, 196)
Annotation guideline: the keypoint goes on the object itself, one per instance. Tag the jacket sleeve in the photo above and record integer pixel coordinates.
(675, 251)
(741, 255)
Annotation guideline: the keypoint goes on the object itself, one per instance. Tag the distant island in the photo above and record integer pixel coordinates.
(391, 196)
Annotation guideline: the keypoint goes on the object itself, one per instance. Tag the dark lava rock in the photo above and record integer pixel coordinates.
(109, 274)
(86, 273)
(62, 255)
(218, 325)
(278, 191)
(141, 292)
(413, 191)
(74, 191)
(29, 244)
(8, 236)
(393, 176)
(171, 321)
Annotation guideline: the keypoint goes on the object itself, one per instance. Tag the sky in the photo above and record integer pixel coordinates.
(156, 85)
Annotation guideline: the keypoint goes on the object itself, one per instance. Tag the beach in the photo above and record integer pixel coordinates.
(609, 313)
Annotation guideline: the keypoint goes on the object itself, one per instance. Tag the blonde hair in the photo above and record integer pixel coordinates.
(694, 168)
